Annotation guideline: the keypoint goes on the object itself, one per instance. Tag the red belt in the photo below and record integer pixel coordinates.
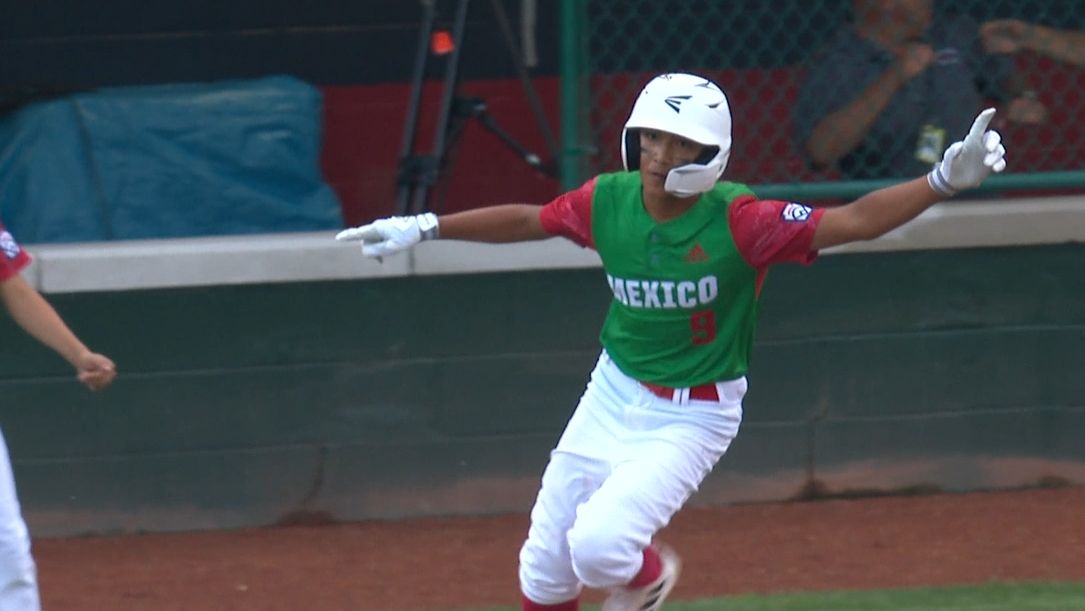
(704, 392)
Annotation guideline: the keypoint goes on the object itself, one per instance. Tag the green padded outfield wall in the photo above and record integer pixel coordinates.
(431, 395)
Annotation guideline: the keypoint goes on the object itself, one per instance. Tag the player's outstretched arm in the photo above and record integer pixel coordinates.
(34, 314)
(965, 165)
(496, 224)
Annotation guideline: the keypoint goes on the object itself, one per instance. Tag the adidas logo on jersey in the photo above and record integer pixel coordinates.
(696, 255)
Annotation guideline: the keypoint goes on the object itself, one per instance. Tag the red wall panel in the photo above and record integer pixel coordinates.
(363, 127)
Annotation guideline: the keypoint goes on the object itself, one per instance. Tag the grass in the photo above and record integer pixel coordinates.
(1024, 596)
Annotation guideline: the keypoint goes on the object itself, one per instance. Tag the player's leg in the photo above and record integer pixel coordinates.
(546, 572)
(670, 449)
(18, 575)
(578, 466)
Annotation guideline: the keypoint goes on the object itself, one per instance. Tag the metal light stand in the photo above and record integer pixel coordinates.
(418, 173)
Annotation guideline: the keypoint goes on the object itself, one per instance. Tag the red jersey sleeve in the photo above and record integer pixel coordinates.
(769, 231)
(569, 215)
(12, 257)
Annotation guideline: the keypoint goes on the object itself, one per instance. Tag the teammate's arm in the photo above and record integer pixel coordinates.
(964, 165)
(34, 314)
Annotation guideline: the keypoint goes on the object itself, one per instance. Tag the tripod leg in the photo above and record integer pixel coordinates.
(407, 178)
(530, 158)
(445, 110)
(525, 81)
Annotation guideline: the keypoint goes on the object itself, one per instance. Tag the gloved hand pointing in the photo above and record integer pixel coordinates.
(967, 163)
(391, 235)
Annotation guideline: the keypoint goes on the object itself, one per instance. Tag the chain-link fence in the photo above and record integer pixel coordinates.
(846, 90)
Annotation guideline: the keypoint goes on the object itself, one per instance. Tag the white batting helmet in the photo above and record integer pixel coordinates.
(689, 106)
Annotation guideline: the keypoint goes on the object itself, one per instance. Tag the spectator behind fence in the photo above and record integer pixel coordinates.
(1009, 36)
(890, 88)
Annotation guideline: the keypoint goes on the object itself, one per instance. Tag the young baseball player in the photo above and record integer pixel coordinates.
(18, 575)
(685, 257)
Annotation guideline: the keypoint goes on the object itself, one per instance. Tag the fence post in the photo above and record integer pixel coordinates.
(574, 93)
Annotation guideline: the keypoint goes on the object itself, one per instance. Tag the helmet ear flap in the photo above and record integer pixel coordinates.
(631, 148)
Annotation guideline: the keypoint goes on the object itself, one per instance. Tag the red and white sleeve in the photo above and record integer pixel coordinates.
(569, 215)
(12, 257)
(771, 231)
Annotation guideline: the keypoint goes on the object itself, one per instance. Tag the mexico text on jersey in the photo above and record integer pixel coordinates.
(664, 294)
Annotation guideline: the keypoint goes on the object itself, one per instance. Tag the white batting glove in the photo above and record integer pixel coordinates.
(967, 163)
(391, 235)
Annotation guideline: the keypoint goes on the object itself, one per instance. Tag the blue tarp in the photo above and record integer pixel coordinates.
(166, 161)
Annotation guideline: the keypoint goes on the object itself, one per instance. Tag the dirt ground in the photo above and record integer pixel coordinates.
(465, 562)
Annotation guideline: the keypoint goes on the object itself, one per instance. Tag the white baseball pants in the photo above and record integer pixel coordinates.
(626, 463)
(18, 575)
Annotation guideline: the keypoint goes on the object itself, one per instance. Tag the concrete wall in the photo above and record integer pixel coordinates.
(285, 378)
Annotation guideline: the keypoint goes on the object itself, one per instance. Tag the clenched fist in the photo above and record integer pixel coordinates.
(95, 371)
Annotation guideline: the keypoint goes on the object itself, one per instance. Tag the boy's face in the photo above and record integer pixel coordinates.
(660, 152)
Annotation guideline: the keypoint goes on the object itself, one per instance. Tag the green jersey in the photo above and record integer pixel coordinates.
(685, 301)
